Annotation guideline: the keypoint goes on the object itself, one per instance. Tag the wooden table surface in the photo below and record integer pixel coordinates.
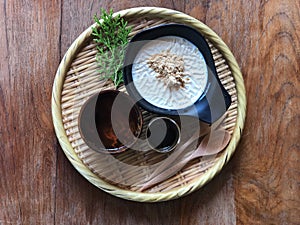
(260, 185)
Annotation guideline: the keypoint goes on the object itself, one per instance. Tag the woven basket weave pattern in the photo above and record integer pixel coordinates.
(77, 79)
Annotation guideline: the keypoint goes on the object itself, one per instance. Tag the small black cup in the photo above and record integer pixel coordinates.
(163, 134)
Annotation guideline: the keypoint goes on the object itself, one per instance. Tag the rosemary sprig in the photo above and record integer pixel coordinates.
(112, 36)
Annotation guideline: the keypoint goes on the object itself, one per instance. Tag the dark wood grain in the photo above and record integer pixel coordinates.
(260, 185)
(267, 171)
(29, 56)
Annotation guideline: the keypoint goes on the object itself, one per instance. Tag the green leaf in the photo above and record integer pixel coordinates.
(112, 37)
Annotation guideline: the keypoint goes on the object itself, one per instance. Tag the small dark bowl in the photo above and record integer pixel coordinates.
(214, 101)
(110, 122)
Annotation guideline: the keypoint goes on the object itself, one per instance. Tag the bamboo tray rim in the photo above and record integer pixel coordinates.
(142, 196)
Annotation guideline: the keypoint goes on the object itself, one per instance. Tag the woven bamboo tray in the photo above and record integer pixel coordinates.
(77, 79)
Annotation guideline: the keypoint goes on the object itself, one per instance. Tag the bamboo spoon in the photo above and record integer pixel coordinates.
(204, 131)
(211, 144)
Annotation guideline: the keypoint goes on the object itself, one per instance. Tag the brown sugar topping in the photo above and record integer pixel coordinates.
(169, 68)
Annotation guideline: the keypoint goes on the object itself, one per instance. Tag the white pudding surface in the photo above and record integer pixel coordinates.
(154, 90)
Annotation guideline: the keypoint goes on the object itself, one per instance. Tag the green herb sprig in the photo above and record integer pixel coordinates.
(112, 37)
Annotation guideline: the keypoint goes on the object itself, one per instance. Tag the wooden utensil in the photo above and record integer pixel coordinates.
(211, 144)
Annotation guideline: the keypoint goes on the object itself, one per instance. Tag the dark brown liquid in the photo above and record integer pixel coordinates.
(162, 134)
(122, 114)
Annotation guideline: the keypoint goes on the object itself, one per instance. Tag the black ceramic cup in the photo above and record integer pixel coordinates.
(163, 134)
(110, 122)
